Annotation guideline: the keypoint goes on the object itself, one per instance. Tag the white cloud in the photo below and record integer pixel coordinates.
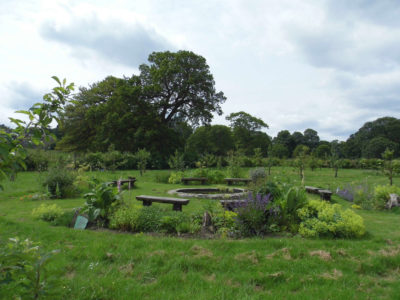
(328, 65)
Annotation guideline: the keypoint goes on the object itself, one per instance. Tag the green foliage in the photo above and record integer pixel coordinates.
(258, 157)
(247, 134)
(291, 200)
(382, 194)
(59, 182)
(47, 212)
(363, 196)
(215, 176)
(142, 157)
(126, 218)
(176, 177)
(176, 161)
(279, 151)
(21, 268)
(258, 175)
(101, 202)
(173, 223)
(215, 139)
(149, 219)
(234, 165)
(36, 130)
(321, 219)
(37, 160)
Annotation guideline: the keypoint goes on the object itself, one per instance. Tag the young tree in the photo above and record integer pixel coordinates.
(142, 157)
(388, 168)
(35, 129)
(177, 161)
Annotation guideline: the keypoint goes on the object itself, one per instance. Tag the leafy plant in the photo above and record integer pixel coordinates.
(252, 215)
(59, 182)
(258, 175)
(47, 212)
(176, 161)
(382, 194)
(21, 268)
(101, 201)
(175, 177)
(321, 219)
(126, 218)
(142, 157)
(234, 165)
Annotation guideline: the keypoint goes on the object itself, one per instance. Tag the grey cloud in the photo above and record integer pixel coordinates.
(120, 42)
(383, 12)
(23, 95)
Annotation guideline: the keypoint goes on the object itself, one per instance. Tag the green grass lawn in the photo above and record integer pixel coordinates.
(105, 264)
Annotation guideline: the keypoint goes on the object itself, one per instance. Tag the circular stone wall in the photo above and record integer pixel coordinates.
(210, 193)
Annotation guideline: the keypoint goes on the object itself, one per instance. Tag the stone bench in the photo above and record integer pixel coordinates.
(185, 180)
(230, 181)
(176, 202)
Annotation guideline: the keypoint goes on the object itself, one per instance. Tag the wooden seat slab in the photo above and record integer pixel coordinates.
(325, 194)
(176, 202)
(312, 190)
(130, 182)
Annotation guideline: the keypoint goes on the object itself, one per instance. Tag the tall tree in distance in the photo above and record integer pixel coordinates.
(247, 133)
(180, 84)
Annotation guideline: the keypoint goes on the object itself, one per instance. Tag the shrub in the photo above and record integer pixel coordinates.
(215, 176)
(175, 177)
(162, 177)
(126, 218)
(363, 196)
(149, 219)
(59, 182)
(94, 160)
(173, 222)
(47, 212)
(101, 202)
(234, 165)
(37, 160)
(258, 175)
(252, 215)
(321, 219)
(382, 194)
(177, 161)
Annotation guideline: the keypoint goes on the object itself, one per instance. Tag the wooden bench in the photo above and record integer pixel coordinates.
(185, 180)
(325, 194)
(311, 189)
(130, 182)
(176, 202)
(232, 180)
(231, 204)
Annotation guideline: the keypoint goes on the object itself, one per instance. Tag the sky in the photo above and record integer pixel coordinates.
(329, 65)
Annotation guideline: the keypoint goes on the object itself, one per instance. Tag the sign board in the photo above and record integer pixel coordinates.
(81, 222)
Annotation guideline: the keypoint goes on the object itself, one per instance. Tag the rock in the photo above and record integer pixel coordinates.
(393, 201)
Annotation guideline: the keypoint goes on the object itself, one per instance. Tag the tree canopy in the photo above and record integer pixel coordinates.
(152, 110)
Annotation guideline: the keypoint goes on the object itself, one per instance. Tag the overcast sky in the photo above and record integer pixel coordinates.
(329, 65)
